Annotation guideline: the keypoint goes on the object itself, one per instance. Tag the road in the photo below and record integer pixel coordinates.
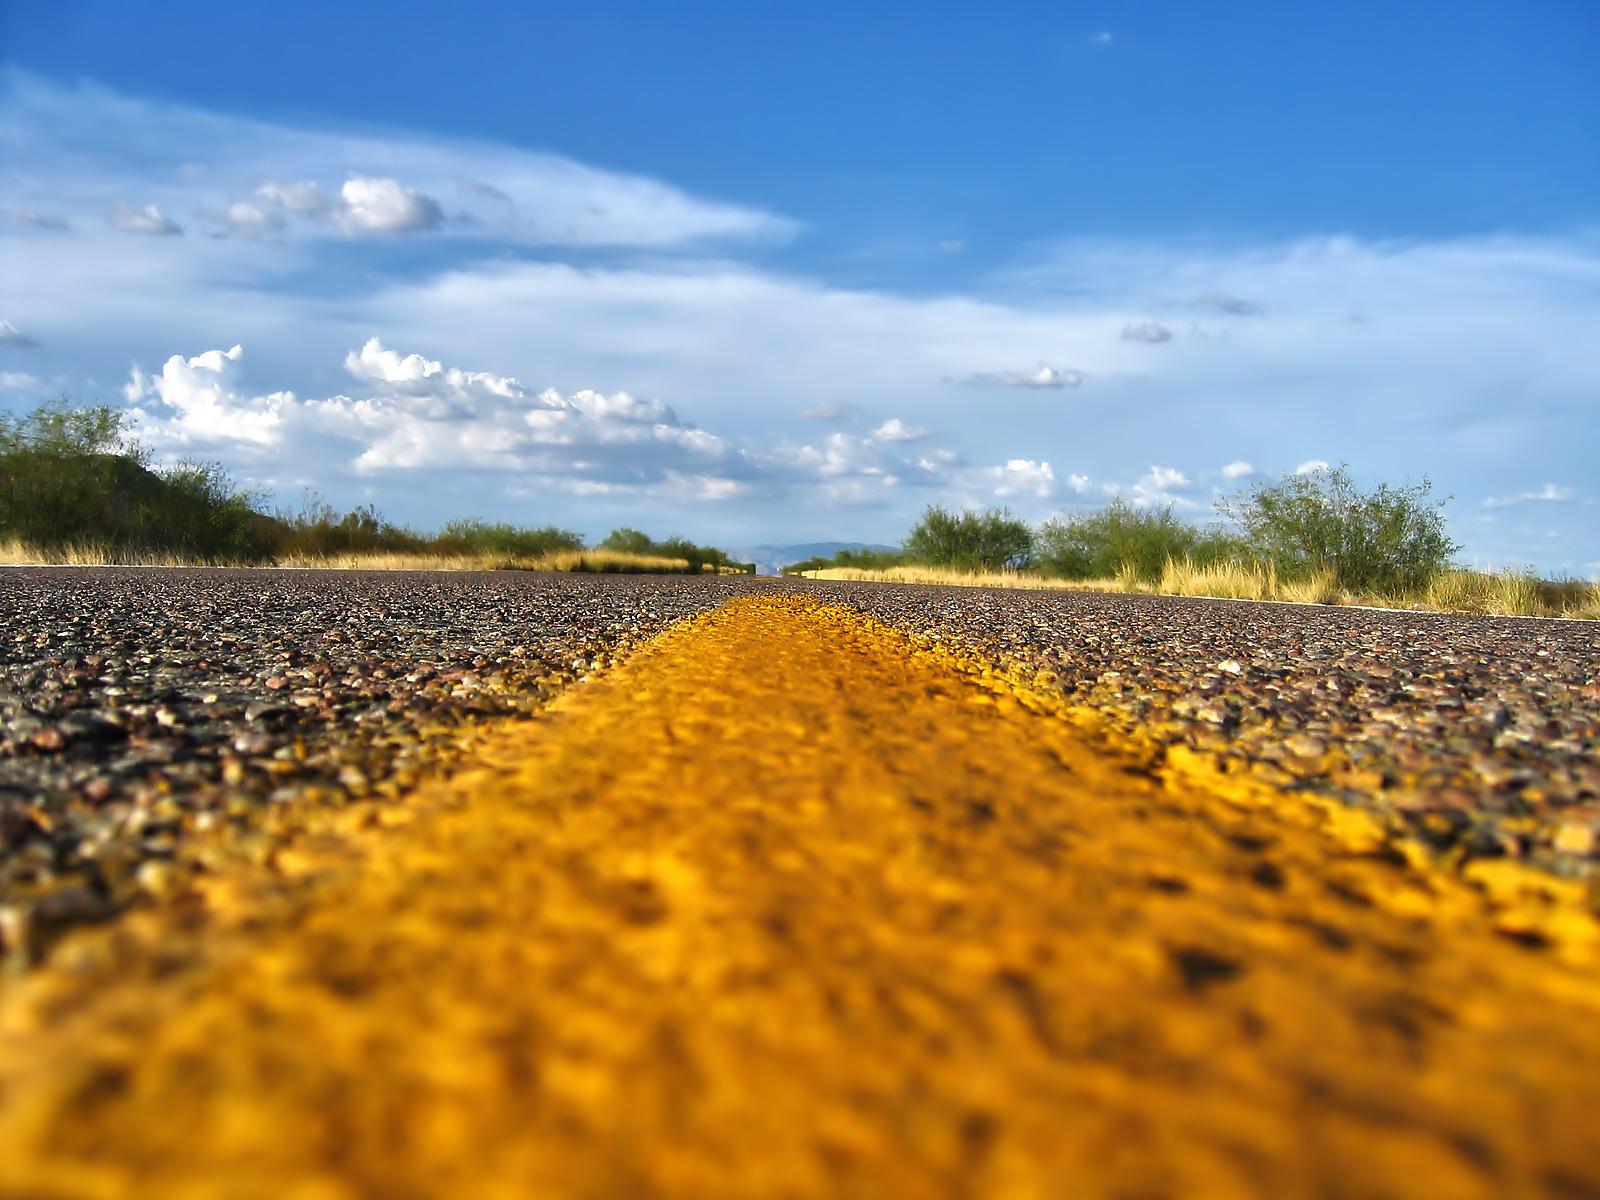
(793, 902)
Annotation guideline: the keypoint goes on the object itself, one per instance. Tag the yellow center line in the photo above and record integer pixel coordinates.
(790, 904)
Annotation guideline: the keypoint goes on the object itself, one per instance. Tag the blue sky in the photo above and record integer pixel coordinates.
(764, 273)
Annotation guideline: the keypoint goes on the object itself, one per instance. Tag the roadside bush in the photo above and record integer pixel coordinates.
(858, 560)
(73, 477)
(627, 540)
(1121, 541)
(511, 541)
(1390, 539)
(988, 541)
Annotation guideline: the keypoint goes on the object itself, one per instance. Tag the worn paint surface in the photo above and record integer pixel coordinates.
(791, 905)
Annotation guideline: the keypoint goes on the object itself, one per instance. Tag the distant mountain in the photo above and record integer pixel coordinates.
(770, 560)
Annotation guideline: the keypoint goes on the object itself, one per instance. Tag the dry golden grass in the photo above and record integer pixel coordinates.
(1245, 581)
(606, 561)
(1585, 606)
(950, 578)
(1507, 593)
(17, 553)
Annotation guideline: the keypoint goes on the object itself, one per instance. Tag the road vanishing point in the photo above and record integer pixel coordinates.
(792, 903)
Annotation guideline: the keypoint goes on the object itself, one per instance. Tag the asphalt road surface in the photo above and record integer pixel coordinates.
(794, 902)
(148, 715)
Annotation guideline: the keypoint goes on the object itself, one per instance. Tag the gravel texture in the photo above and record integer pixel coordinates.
(1479, 735)
(149, 718)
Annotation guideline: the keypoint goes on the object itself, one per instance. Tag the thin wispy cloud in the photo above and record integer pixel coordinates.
(30, 218)
(149, 220)
(13, 338)
(1236, 306)
(1042, 377)
(20, 382)
(1550, 493)
(368, 184)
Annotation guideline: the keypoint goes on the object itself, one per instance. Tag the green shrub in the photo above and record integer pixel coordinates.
(511, 541)
(988, 541)
(1390, 539)
(1121, 541)
(73, 477)
(628, 540)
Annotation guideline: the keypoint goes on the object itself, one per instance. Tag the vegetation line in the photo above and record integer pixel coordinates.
(1312, 537)
(76, 489)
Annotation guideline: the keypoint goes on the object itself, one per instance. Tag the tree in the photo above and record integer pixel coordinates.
(627, 540)
(1116, 538)
(988, 541)
(1387, 539)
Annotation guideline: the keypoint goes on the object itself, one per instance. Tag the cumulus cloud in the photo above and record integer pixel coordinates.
(33, 219)
(1238, 469)
(896, 430)
(20, 382)
(1045, 377)
(372, 205)
(1311, 466)
(196, 402)
(14, 338)
(1102, 37)
(1020, 477)
(412, 413)
(1147, 332)
(1550, 493)
(1160, 487)
(1080, 484)
(149, 220)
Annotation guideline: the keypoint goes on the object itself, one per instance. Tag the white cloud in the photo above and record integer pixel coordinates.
(415, 414)
(1160, 487)
(20, 381)
(13, 337)
(33, 219)
(1550, 493)
(896, 430)
(195, 160)
(952, 245)
(251, 220)
(1045, 376)
(1080, 484)
(1148, 332)
(1311, 466)
(1101, 37)
(1238, 469)
(303, 198)
(1020, 477)
(149, 220)
(371, 205)
(202, 404)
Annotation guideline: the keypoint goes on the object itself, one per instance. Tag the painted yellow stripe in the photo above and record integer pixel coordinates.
(791, 905)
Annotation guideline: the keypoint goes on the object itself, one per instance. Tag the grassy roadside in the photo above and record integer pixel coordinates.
(601, 561)
(1503, 593)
